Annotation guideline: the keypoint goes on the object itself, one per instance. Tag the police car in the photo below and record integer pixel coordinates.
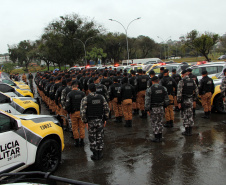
(30, 139)
(13, 92)
(18, 105)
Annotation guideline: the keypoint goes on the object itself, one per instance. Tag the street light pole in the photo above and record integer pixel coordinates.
(164, 41)
(126, 31)
(84, 46)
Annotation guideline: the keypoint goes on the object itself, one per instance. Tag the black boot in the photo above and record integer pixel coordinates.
(186, 132)
(190, 131)
(171, 123)
(156, 139)
(160, 137)
(76, 142)
(119, 119)
(142, 114)
(209, 113)
(116, 120)
(205, 116)
(167, 124)
(177, 109)
(127, 123)
(100, 155)
(145, 114)
(110, 115)
(194, 114)
(134, 111)
(94, 156)
(82, 142)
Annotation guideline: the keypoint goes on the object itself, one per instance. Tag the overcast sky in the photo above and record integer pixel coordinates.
(26, 19)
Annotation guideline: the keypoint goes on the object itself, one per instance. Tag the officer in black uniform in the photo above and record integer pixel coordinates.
(113, 97)
(101, 89)
(161, 73)
(206, 90)
(140, 87)
(132, 82)
(152, 74)
(127, 95)
(73, 103)
(171, 86)
(106, 80)
(58, 96)
(94, 113)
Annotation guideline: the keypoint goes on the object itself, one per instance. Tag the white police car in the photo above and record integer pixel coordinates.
(29, 139)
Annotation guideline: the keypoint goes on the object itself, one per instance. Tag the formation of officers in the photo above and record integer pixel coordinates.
(90, 97)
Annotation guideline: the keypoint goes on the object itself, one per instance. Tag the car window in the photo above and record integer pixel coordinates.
(6, 88)
(156, 70)
(5, 123)
(211, 69)
(219, 69)
(197, 71)
(4, 99)
(8, 82)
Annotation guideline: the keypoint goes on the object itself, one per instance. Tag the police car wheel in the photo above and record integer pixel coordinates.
(48, 156)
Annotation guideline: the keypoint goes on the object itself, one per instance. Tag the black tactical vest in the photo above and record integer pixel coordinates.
(168, 83)
(127, 92)
(100, 90)
(207, 84)
(142, 83)
(95, 107)
(189, 87)
(157, 95)
(77, 98)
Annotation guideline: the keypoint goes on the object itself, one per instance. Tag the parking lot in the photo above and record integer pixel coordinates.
(131, 158)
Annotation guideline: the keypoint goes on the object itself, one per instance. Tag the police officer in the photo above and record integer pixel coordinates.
(52, 93)
(94, 113)
(177, 78)
(101, 89)
(58, 96)
(73, 103)
(194, 77)
(30, 79)
(132, 82)
(141, 86)
(223, 91)
(113, 96)
(171, 86)
(155, 100)
(160, 76)
(152, 74)
(206, 90)
(127, 95)
(187, 92)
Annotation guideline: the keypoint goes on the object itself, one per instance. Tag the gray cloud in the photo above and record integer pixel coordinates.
(26, 19)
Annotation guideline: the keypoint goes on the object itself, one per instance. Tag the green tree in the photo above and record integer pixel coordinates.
(69, 29)
(201, 43)
(96, 53)
(8, 67)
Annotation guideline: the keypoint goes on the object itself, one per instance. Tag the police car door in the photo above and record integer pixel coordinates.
(6, 105)
(13, 145)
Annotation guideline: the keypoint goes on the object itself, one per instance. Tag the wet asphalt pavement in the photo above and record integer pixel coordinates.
(131, 158)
